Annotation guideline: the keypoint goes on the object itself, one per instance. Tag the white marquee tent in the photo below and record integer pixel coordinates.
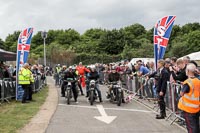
(194, 56)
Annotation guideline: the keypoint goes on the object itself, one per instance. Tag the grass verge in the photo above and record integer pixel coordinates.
(15, 115)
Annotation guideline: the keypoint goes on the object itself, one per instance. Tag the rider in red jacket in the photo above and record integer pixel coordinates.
(81, 72)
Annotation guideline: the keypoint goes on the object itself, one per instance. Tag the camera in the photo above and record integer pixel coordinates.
(157, 76)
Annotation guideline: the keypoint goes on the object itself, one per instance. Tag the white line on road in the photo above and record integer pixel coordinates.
(117, 109)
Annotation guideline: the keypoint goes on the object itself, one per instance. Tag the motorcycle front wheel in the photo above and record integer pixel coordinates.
(119, 99)
(68, 95)
(91, 97)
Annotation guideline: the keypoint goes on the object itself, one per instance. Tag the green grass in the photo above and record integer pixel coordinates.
(15, 115)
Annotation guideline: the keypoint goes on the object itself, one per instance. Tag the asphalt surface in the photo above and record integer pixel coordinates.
(81, 117)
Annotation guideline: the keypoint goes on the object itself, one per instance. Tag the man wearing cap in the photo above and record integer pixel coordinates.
(24, 80)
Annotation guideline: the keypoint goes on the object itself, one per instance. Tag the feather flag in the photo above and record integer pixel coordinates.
(23, 48)
(162, 31)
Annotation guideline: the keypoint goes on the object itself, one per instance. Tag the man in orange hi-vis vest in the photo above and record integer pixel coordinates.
(189, 103)
(81, 72)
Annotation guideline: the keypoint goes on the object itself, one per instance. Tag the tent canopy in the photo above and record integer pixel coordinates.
(7, 56)
(194, 56)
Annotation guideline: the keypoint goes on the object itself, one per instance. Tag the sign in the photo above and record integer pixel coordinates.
(162, 31)
(23, 48)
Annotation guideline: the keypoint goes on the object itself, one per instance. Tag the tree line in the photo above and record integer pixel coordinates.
(102, 45)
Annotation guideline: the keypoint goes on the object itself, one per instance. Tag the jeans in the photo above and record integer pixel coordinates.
(98, 90)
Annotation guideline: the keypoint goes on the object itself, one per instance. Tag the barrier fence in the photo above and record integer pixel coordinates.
(145, 89)
(8, 88)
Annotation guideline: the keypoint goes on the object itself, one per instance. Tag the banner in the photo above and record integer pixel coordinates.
(162, 31)
(23, 48)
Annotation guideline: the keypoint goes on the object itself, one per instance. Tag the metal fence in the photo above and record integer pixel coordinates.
(143, 88)
(8, 88)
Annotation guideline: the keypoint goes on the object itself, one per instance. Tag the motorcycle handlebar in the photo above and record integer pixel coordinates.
(69, 80)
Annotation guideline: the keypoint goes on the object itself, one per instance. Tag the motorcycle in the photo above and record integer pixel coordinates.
(116, 93)
(48, 73)
(91, 91)
(68, 89)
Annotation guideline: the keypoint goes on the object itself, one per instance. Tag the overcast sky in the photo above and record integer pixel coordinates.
(85, 14)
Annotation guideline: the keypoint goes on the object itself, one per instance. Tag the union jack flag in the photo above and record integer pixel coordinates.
(162, 31)
(25, 39)
(23, 48)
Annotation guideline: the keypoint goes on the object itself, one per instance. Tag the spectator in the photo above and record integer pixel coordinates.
(197, 72)
(6, 71)
(173, 61)
(163, 77)
(141, 69)
(1, 70)
(35, 70)
(189, 102)
(167, 64)
(11, 70)
(24, 80)
(186, 59)
(180, 75)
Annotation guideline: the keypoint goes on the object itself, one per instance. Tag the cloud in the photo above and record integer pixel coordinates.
(84, 14)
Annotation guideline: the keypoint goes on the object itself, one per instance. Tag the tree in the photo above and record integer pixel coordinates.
(194, 41)
(112, 42)
(190, 27)
(37, 40)
(11, 41)
(1, 44)
(136, 30)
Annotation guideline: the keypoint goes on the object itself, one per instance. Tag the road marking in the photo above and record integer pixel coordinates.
(117, 109)
(104, 117)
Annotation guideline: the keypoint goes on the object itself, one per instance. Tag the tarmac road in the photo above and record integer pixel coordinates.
(106, 117)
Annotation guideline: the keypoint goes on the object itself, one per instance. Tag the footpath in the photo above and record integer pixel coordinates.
(40, 121)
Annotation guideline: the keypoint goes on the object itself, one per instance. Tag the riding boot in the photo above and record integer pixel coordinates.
(87, 94)
(100, 99)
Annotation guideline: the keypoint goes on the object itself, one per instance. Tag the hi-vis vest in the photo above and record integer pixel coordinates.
(31, 77)
(58, 69)
(24, 76)
(190, 102)
(76, 72)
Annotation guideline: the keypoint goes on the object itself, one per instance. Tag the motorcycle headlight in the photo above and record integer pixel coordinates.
(116, 86)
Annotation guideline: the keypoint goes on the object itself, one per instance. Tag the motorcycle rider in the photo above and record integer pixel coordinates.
(70, 74)
(78, 78)
(62, 72)
(81, 71)
(114, 76)
(93, 75)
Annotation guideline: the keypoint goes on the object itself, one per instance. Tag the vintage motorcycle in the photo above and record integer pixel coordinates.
(116, 93)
